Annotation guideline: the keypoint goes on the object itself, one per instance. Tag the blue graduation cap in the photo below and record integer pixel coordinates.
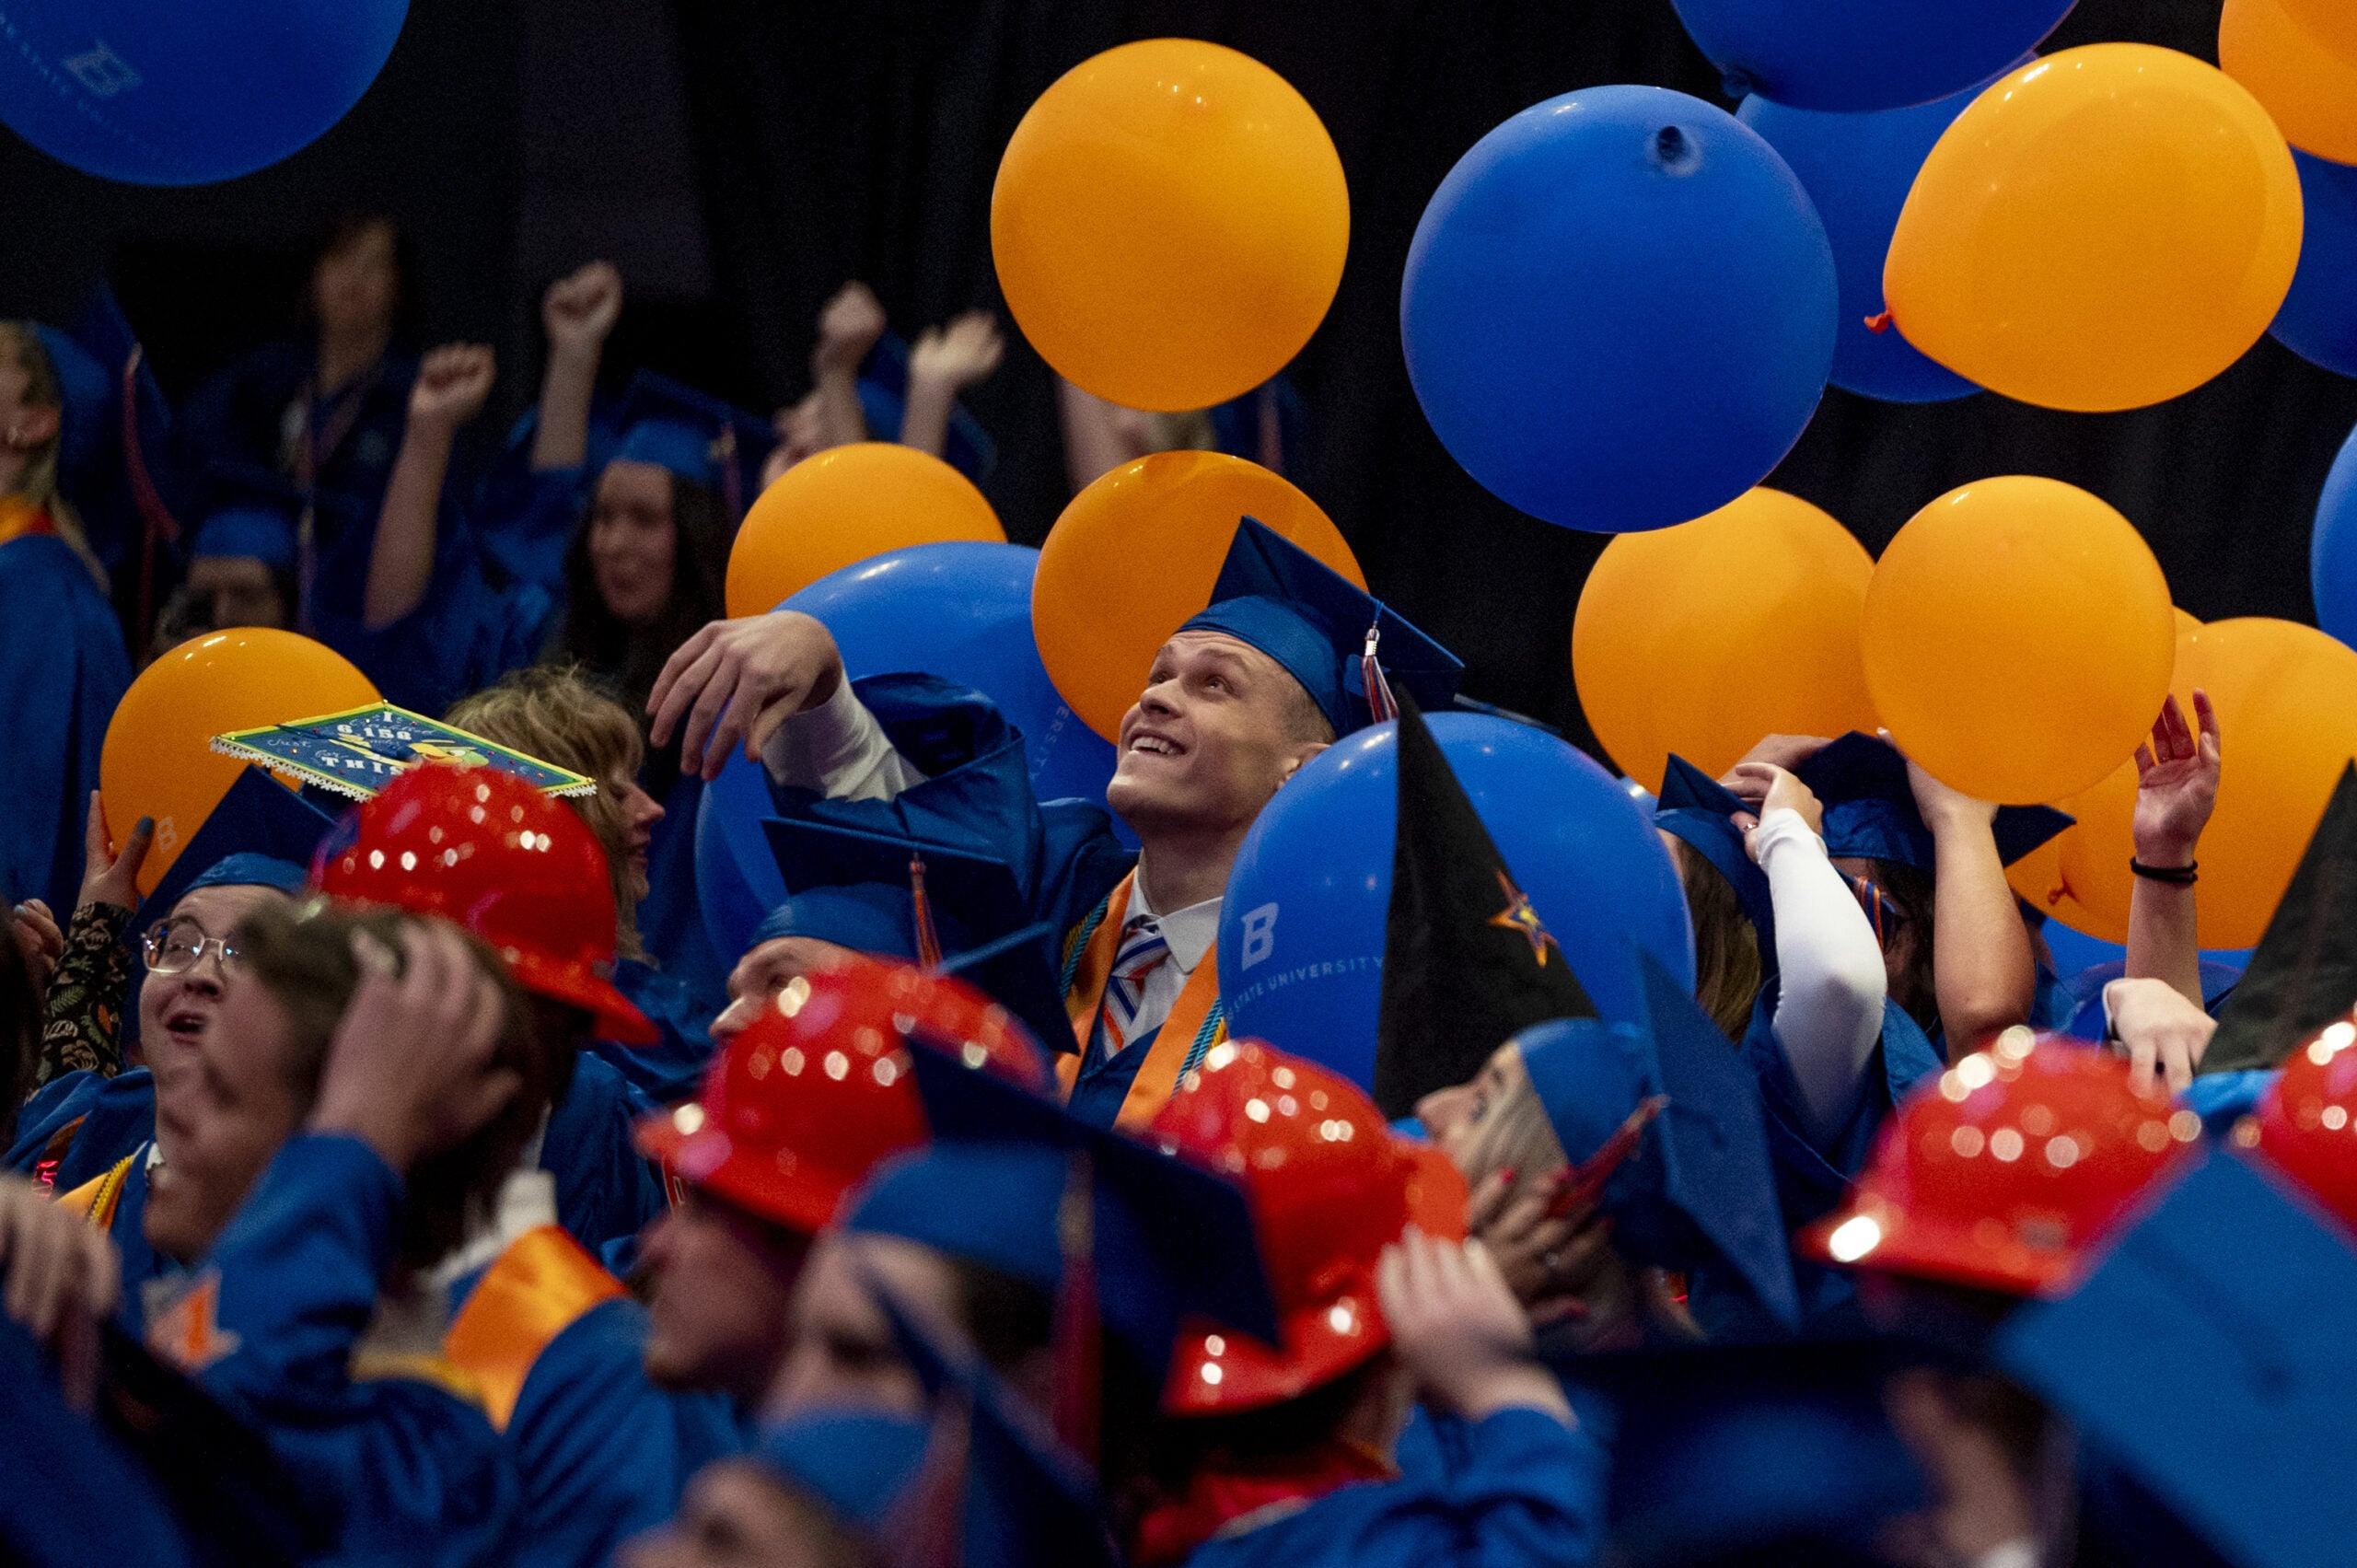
(248, 511)
(1168, 1239)
(1870, 810)
(261, 834)
(696, 437)
(1698, 1187)
(1698, 811)
(1722, 1452)
(1014, 972)
(884, 403)
(1311, 619)
(856, 1462)
(2235, 1400)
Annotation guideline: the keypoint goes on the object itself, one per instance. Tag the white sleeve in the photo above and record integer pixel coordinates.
(1830, 995)
(838, 749)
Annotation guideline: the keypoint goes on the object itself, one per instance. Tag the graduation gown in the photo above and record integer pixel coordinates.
(81, 1124)
(69, 1496)
(558, 1347)
(396, 1448)
(62, 669)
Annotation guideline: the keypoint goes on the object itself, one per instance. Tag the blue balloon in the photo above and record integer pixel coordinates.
(1858, 56)
(960, 610)
(1301, 926)
(2332, 549)
(2318, 317)
(1618, 310)
(170, 92)
(1857, 168)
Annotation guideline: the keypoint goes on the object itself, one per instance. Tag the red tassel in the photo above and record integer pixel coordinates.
(1379, 700)
(1075, 1398)
(928, 943)
(1878, 324)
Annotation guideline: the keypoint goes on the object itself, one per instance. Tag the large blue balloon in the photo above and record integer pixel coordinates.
(2332, 549)
(1857, 56)
(1857, 168)
(1618, 310)
(184, 92)
(1301, 928)
(2318, 318)
(961, 611)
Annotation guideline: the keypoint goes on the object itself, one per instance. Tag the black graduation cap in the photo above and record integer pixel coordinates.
(2304, 973)
(257, 817)
(1171, 1240)
(1467, 961)
(2234, 1399)
(1870, 811)
(1726, 1453)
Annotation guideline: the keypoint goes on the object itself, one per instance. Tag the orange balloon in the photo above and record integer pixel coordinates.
(2038, 878)
(1136, 554)
(2286, 698)
(2104, 228)
(2017, 639)
(1702, 638)
(844, 506)
(2305, 75)
(159, 758)
(1169, 223)
(2333, 23)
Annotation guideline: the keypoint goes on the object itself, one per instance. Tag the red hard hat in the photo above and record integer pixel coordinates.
(481, 848)
(2006, 1170)
(1331, 1187)
(811, 1093)
(2305, 1125)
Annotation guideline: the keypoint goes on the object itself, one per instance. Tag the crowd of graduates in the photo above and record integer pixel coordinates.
(425, 1181)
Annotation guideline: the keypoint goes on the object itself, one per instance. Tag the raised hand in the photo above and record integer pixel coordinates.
(2177, 784)
(453, 383)
(1546, 1252)
(963, 352)
(848, 327)
(1942, 807)
(1781, 751)
(1770, 788)
(736, 681)
(1459, 1331)
(579, 310)
(39, 940)
(108, 878)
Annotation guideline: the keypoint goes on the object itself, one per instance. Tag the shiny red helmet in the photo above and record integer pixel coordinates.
(481, 848)
(1330, 1187)
(2004, 1172)
(808, 1097)
(2306, 1123)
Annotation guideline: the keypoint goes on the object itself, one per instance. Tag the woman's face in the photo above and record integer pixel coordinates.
(640, 812)
(356, 285)
(1456, 1117)
(22, 426)
(634, 544)
(228, 1119)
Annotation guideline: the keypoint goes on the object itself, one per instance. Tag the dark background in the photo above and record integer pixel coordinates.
(740, 159)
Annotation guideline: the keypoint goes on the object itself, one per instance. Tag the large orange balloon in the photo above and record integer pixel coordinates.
(843, 506)
(159, 758)
(1702, 638)
(2038, 878)
(1136, 554)
(2103, 228)
(2018, 639)
(1169, 223)
(2333, 23)
(2307, 80)
(2286, 697)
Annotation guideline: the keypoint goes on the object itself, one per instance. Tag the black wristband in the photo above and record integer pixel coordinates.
(2175, 875)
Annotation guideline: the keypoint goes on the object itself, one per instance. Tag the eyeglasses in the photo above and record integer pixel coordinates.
(1885, 913)
(175, 946)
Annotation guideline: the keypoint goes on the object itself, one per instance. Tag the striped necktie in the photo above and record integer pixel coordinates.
(1142, 952)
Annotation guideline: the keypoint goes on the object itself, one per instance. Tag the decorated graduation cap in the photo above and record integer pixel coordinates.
(2304, 973)
(1664, 1124)
(261, 834)
(1466, 962)
(2235, 1400)
(1699, 811)
(248, 511)
(696, 437)
(1752, 1453)
(1347, 648)
(1165, 1239)
(857, 1463)
(1870, 811)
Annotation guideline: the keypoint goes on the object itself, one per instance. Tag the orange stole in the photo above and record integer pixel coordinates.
(1173, 1042)
(543, 1282)
(18, 516)
(96, 1199)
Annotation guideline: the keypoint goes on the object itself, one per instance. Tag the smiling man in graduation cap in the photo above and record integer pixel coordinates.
(1286, 657)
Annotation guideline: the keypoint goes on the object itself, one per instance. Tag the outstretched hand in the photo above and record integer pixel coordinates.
(848, 327)
(733, 683)
(453, 383)
(1941, 807)
(579, 310)
(108, 878)
(963, 352)
(2177, 784)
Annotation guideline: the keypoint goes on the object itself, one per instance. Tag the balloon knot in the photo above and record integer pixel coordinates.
(1878, 323)
(1670, 148)
(1736, 84)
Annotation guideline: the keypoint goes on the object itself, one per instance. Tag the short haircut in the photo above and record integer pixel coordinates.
(1306, 723)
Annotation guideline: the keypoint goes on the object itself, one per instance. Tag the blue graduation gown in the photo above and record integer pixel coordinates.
(399, 1453)
(605, 1193)
(670, 918)
(69, 1496)
(670, 1069)
(62, 669)
(80, 1124)
(2221, 1100)
(1517, 1489)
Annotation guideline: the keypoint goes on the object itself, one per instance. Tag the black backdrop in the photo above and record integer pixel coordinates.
(838, 138)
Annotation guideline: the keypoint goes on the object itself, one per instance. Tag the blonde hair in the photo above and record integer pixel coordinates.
(552, 712)
(1514, 1133)
(20, 347)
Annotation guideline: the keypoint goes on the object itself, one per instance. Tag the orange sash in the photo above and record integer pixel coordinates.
(1196, 1022)
(543, 1283)
(18, 516)
(96, 1199)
